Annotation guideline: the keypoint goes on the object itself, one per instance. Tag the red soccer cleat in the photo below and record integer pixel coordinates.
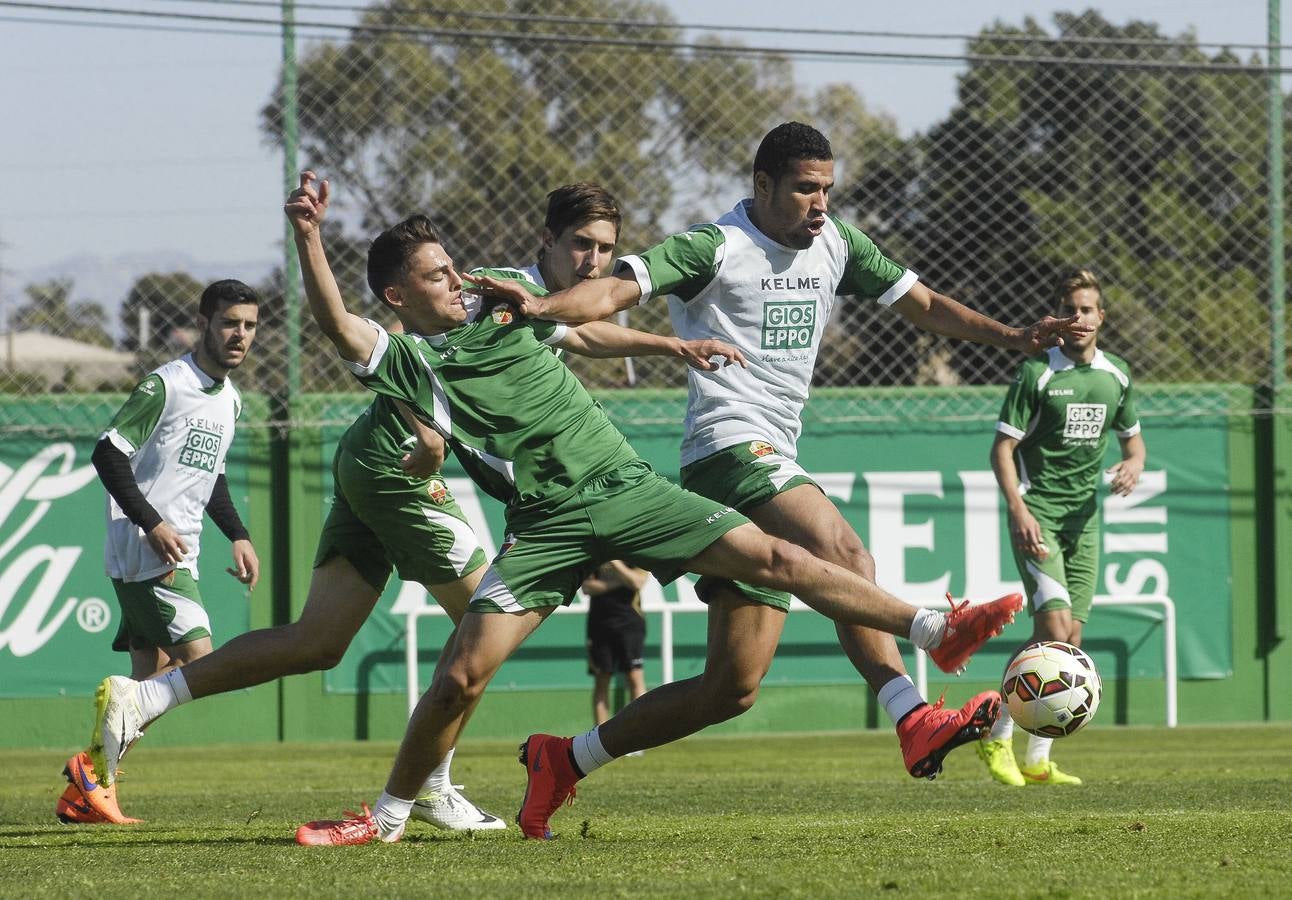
(103, 800)
(930, 732)
(552, 777)
(969, 626)
(355, 828)
(72, 809)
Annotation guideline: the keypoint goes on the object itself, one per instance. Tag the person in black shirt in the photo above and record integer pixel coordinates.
(616, 632)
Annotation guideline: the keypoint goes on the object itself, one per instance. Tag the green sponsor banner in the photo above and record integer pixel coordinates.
(923, 498)
(58, 612)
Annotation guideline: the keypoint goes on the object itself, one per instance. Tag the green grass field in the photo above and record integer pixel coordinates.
(1198, 812)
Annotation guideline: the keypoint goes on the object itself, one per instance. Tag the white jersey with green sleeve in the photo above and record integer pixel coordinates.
(176, 427)
(1061, 414)
(729, 281)
(507, 405)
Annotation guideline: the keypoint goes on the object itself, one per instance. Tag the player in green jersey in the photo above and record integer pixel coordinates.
(483, 377)
(766, 277)
(392, 510)
(1049, 449)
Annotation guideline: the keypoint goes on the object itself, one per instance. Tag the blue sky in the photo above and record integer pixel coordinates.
(128, 146)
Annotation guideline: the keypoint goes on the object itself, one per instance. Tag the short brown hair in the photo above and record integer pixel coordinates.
(1077, 280)
(575, 205)
(390, 252)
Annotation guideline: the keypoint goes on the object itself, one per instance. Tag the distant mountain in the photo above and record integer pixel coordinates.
(108, 281)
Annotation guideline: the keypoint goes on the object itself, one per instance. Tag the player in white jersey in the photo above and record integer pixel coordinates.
(764, 278)
(162, 463)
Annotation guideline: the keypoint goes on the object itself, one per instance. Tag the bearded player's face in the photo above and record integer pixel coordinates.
(227, 337)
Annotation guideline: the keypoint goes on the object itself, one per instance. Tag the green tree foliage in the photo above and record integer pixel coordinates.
(51, 309)
(1151, 177)
(475, 130)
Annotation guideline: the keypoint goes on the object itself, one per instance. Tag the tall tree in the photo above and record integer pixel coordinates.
(1148, 175)
(476, 128)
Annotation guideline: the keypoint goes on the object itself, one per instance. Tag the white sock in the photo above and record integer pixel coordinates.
(928, 628)
(589, 754)
(391, 815)
(1038, 751)
(439, 780)
(1003, 730)
(162, 693)
(899, 696)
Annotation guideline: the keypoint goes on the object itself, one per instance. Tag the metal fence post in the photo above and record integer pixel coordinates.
(1278, 349)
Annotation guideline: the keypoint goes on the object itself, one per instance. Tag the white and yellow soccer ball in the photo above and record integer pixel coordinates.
(1052, 689)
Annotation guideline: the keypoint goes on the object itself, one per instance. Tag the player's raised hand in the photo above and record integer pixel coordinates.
(511, 292)
(307, 205)
(1050, 332)
(709, 355)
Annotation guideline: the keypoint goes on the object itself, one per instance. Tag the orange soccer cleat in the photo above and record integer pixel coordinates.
(72, 809)
(103, 800)
(551, 778)
(355, 828)
(930, 732)
(969, 626)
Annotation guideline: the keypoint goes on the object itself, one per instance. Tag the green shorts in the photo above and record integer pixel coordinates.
(744, 476)
(1065, 578)
(160, 612)
(632, 513)
(382, 520)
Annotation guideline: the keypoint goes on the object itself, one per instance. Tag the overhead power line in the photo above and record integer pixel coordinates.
(747, 29)
(644, 45)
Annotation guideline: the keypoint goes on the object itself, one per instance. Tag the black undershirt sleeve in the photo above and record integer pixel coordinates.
(114, 471)
(223, 513)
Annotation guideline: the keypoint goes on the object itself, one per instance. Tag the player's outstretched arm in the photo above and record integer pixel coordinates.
(1127, 472)
(940, 314)
(587, 301)
(1024, 530)
(606, 340)
(305, 208)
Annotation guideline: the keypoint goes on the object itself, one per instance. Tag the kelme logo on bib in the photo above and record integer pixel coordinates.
(502, 315)
(438, 491)
(200, 451)
(1085, 421)
(761, 448)
(788, 324)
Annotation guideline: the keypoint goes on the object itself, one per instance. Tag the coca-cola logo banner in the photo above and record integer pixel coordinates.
(58, 612)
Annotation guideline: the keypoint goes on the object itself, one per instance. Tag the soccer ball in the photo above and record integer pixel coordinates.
(1052, 689)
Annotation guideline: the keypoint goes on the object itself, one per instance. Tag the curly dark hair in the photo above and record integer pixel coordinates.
(788, 143)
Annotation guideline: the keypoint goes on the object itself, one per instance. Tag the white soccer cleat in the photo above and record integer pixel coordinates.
(450, 811)
(118, 723)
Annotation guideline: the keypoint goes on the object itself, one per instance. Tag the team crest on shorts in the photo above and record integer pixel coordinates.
(502, 315)
(438, 491)
(761, 448)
